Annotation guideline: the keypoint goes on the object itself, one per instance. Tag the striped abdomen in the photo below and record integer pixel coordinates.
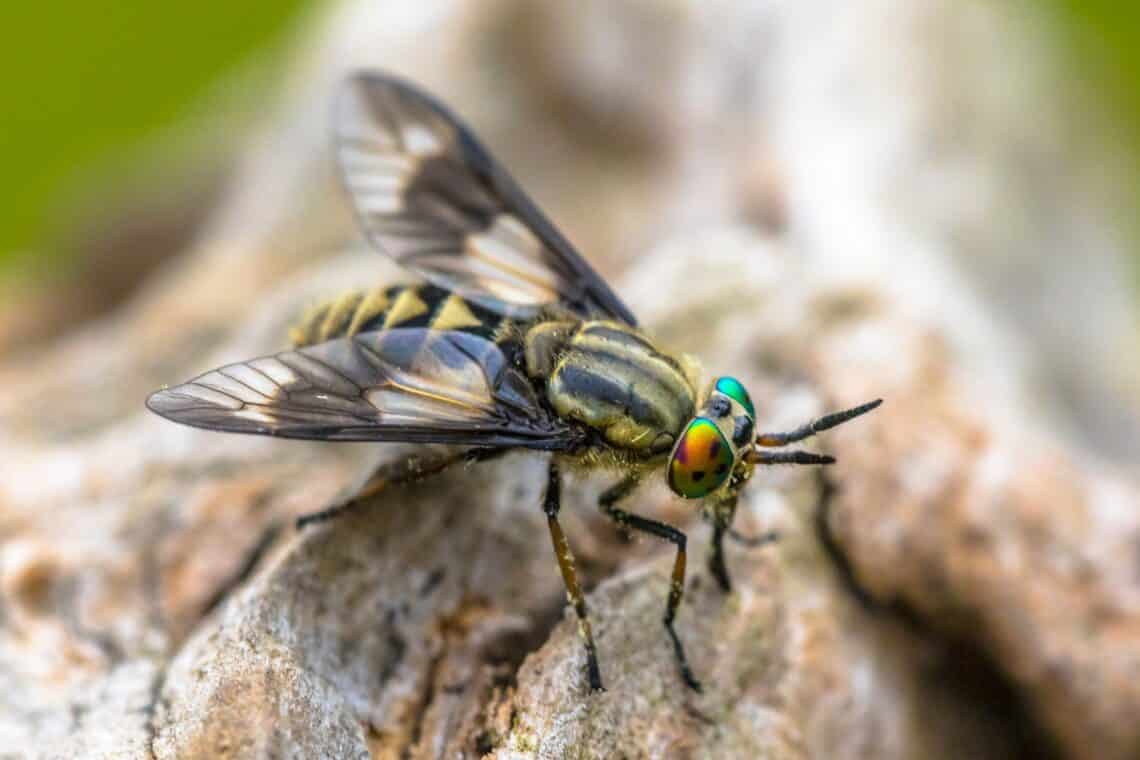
(394, 306)
(613, 379)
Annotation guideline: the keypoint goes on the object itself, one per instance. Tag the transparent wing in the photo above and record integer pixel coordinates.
(409, 384)
(429, 195)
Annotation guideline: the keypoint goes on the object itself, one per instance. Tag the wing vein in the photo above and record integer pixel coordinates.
(453, 188)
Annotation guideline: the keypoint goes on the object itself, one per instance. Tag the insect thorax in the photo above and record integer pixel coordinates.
(611, 378)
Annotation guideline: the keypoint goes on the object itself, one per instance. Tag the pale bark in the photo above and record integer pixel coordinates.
(961, 584)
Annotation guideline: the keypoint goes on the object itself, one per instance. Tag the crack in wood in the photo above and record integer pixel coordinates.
(249, 565)
(966, 667)
(426, 701)
(69, 615)
(151, 708)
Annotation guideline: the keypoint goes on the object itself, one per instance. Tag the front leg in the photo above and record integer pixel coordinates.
(721, 512)
(627, 520)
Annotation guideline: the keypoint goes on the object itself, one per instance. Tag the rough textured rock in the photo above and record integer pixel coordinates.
(962, 584)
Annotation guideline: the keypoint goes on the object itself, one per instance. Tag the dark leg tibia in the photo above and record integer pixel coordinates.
(396, 472)
(328, 513)
(753, 541)
(677, 585)
(551, 504)
(716, 558)
(376, 481)
(716, 555)
(721, 510)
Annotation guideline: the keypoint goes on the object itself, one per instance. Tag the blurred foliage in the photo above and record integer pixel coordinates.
(85, 83)
(1102, 38)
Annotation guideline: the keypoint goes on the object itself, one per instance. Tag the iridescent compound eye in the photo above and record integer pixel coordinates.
(732, 388)
(701, 461)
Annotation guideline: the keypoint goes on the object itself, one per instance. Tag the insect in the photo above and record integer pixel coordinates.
(511, 341)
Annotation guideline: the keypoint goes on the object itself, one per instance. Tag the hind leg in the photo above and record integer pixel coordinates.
(552, 503)
(398, 472)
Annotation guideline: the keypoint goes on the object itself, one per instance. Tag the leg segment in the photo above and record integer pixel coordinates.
(373, 483)
(753, 541)
(716, 558)
(389, 473)
(551, 505)
(722, 512)
(677, 585)
(613, 495)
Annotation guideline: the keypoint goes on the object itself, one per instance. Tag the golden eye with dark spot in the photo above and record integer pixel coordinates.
(701, 460)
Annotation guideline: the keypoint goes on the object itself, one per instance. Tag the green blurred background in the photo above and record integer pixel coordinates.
(88, 86)
(1100, 42)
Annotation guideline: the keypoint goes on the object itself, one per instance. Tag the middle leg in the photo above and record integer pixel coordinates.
(626, 520)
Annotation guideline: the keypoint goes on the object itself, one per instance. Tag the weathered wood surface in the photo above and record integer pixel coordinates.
(962, 584)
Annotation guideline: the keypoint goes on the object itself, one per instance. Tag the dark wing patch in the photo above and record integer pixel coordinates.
(408, 384)
(429, 195)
